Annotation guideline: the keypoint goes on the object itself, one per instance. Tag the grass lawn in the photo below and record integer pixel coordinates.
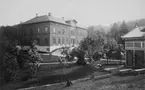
(50, 74)
(114, 82)
(111, 83)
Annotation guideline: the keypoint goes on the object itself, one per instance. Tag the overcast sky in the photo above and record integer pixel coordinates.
(86, 12)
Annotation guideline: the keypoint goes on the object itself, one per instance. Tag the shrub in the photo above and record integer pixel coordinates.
(9, 63)
(19, 64)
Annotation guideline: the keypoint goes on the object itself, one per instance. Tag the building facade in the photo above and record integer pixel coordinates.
(51, 31)
(135, 47)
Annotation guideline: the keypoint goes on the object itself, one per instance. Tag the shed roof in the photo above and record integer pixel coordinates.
(135, 33)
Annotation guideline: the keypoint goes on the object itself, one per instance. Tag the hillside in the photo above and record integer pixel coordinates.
(130, 25)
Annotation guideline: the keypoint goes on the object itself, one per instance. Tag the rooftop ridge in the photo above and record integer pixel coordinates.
(135, 33)
(45, 18)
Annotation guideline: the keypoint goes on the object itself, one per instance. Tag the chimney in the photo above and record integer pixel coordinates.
(62, 18)
(49, 14)
(36, 14)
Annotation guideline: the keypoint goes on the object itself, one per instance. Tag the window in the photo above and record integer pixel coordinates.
(54, 40)
(66, 32)
(63, 31)
(38, 41)
(71, 32)
(66, 40)
(59, 32)
(59, 41)
(31, 31)
(72, 41)
(129, 45)
(137, 44)
(46, 40)
(27, 32)
(143, 44)
(82, 33)
(54, 30)
(46, 30)
(78, 33)
(63, 40)
(77, 41)
(38, 30)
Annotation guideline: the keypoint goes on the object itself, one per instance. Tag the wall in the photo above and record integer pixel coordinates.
(57, 34)
(39, 32)
(135, 48)
(70, 34)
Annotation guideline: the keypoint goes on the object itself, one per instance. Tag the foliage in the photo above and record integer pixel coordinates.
(18, 64)
(9, 63)
(80, 55)
(117, 31)
(91, 45)
(123, 29)
(11, 32)
(72, 52)
(110, 44)
(114, 31)
(29, 61)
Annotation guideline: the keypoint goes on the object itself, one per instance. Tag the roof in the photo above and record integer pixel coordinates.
(135, 33)
(45, 18)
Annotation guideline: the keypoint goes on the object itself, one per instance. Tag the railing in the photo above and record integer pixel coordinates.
(134, 44)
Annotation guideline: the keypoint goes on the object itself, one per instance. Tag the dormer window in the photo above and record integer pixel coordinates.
(72, 22)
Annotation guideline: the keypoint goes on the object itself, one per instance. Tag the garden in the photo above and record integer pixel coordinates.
(21, 68)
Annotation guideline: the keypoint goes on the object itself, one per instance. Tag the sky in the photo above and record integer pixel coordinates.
(85, 12)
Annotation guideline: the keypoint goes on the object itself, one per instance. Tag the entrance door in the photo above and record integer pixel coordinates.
(129, 58)
(139, 58)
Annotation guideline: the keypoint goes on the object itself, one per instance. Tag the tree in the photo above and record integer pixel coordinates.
(9, 64)
(90, 30)
(11, 32)
(19, 64)
(30, 60)
(123, 29)
(97, 30)
(91, 45)
(110, 44)
(114, 31)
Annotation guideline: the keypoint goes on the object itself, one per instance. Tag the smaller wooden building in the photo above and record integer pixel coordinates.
(135, 47)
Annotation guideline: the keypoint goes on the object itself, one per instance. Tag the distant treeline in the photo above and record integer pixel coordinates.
(115, 30)
(9, 33)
